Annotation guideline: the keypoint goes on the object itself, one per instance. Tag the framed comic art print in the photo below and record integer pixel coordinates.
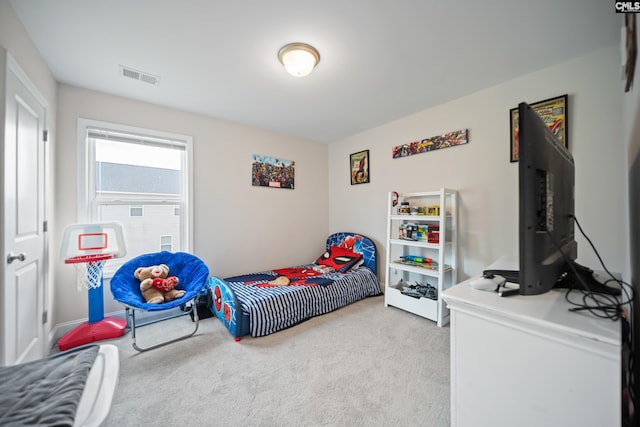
(359, 167)
(553, 112)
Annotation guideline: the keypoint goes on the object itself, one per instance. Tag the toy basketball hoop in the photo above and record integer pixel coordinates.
(88, 247)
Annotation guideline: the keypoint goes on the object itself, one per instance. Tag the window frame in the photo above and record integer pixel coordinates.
(87, 207)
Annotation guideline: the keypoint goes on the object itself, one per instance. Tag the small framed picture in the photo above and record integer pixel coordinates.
(553, 112)
(359, 167)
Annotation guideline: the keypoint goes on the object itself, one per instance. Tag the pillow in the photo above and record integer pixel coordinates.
(339, 259)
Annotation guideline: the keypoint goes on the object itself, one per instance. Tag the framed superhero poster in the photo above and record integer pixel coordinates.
(272, 172)
(359, 167)
(553, 112)
(449, 139)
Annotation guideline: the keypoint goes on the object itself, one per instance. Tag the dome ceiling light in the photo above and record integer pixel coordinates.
(298, 59)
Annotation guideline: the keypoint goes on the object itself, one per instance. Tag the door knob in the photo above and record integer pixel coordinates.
(20, 257)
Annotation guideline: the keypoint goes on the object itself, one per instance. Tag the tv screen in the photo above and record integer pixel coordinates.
(546, 205)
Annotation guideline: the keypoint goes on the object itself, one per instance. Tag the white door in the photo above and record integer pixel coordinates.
(22, 291)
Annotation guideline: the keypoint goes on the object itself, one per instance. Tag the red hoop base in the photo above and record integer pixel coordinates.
(108, 328)
(88, 258)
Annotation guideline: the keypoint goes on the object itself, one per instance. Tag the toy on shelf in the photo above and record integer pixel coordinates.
(433, 265)
(404, 209)
(433, 210)
(408, 232)
(420, 290)
(415, 261)
(420, 259)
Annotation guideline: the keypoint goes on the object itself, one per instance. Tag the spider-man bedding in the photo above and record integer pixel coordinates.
(266, 302)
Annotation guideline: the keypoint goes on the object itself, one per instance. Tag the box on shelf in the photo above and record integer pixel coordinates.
(433, 234)
(408, 232)
(433, 210)
(422, 232)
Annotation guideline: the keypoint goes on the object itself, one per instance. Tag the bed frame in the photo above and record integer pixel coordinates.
(226, 305)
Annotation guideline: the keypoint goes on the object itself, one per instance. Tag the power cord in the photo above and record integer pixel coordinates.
(608, 306)
(597, 303)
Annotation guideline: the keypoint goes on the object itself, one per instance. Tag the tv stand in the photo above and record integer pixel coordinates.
(528, 361)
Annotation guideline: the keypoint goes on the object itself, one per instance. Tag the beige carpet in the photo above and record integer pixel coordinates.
(362, 365)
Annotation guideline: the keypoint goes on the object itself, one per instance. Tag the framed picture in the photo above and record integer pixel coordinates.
(553, 112)
(359, 167)
(449, 139)
(631, 50)
(267, 171)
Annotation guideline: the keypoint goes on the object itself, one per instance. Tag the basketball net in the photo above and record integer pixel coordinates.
(90, 269)
(90, 274)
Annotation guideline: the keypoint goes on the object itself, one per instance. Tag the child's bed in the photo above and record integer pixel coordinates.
(266, 302)
(74, 388)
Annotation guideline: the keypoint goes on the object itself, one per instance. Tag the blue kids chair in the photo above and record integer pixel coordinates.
(192, 276)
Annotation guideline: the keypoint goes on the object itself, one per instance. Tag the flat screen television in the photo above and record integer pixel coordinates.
(547, 246)
(546, 177)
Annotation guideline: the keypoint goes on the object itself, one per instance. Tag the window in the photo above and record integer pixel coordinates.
(166, 243)
(135, 211)
(140, 178)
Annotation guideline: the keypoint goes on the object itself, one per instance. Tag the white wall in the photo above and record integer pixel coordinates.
(238, 227)
(481, 170)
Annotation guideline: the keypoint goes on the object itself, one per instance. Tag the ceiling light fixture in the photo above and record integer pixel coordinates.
(298, 59)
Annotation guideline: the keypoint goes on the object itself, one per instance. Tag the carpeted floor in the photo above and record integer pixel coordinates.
(362, 365)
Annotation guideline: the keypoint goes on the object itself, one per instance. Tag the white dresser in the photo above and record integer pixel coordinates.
(528, 361)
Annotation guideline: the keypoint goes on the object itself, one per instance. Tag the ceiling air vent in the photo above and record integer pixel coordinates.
(139, 75)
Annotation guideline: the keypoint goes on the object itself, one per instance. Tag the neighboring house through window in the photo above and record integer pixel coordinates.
(140, 178)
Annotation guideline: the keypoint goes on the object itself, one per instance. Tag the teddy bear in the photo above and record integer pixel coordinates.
(156, 285)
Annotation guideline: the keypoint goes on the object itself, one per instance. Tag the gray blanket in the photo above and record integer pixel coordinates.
(45, 392)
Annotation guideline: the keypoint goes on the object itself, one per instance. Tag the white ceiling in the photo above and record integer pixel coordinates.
(380, 59)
